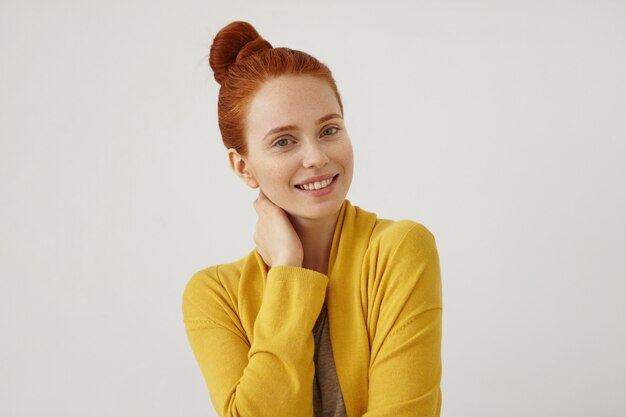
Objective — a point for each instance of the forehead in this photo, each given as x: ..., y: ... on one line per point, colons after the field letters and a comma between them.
x: 298, y: 100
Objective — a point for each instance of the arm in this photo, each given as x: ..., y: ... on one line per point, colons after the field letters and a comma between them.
x: 273, y: 376
x: 405, y: 360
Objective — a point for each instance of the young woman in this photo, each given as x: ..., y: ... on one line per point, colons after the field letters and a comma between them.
x: 335, y: 312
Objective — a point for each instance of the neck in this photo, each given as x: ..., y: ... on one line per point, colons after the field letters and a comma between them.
x: 316, y: 236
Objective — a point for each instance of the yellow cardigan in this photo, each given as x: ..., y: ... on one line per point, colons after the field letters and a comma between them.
x: 250, y: 328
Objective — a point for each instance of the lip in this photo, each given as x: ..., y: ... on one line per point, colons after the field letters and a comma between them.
x: 322, y: 191
x: 319, y: 178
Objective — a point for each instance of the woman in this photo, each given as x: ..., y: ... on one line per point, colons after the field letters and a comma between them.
x: 323, y: 270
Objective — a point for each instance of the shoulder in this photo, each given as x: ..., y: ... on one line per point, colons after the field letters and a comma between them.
x: 211, y: 284
x: 200, y: 286
x: 403, y: 235
x: 402, y: 265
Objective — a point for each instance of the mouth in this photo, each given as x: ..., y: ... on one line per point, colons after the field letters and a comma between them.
x: 326, y: 187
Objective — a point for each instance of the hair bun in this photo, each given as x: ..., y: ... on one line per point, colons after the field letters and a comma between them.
x: 233, y: 43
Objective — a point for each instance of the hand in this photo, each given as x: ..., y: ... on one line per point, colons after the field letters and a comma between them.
x: 276, y: 239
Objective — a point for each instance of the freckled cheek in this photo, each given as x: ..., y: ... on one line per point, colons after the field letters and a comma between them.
x: 277, y: 177
x: 347, y: 155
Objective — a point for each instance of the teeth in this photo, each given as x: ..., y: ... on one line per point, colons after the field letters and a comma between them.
x: 316, y: 185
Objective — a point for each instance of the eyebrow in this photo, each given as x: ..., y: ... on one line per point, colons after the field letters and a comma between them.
x: 293, y: 127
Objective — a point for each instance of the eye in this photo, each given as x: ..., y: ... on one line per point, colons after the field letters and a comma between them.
x: 279, y: 141
x: 330, y: 128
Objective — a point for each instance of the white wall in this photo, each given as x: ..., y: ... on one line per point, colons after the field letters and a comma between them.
x: 499, y: 125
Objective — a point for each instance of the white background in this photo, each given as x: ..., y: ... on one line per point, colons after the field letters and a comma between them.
x: 501, y: 126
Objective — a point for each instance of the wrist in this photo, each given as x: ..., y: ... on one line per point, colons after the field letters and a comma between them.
x: 288, y: 262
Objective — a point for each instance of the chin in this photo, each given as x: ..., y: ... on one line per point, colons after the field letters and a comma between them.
x: 318, y: 210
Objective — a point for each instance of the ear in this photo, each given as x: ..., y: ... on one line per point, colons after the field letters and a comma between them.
x: 241, y: 168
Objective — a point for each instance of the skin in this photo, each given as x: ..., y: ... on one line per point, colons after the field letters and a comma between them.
x: 294, y: 228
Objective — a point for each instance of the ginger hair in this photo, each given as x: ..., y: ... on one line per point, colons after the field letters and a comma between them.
x: 242, y: 61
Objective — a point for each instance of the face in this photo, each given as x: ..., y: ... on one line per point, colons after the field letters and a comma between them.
x: 315, y: 143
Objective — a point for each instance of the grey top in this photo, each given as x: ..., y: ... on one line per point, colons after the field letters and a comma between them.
x: 327, y: 397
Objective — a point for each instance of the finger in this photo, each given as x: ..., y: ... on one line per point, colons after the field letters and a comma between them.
x: 264, y: 199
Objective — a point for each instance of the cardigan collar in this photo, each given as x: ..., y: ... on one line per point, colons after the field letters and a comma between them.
x: 347, y: 304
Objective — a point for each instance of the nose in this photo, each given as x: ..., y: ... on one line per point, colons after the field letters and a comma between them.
x: 314, y: 155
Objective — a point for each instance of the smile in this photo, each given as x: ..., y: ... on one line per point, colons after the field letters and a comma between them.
x: 317, y: 185
x: 325, y: 187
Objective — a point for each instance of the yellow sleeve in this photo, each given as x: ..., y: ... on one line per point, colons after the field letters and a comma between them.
x: 405, y: 360
x: 273, y: 376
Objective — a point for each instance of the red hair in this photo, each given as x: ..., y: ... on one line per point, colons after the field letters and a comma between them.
x: 242, y: 61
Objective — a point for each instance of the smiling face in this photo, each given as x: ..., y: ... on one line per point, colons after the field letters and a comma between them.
x: 314, y: 143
